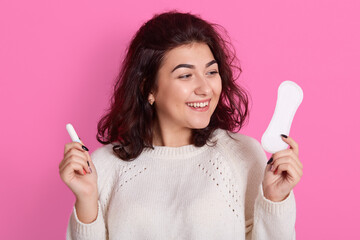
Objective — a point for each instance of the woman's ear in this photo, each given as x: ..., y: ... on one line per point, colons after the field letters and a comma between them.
x: 151, y: 98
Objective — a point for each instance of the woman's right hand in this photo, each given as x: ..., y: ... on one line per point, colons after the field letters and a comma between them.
x: 71, y: 169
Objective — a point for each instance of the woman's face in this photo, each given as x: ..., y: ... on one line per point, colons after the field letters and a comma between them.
x: 188, y: 88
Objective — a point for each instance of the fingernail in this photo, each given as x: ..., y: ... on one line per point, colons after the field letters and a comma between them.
x: 270, y: 161
x: 85, y: 148
x: 271, y: 168
x: 283, y: 135
x: 84, y: 172
x: 89, y: 167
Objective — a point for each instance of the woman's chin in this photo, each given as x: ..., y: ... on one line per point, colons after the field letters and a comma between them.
x: 200, y: 124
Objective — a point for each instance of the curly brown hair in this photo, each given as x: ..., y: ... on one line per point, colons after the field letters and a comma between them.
x: 130, y: 118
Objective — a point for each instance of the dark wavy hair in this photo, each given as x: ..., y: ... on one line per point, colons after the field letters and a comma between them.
x: 130, y: 118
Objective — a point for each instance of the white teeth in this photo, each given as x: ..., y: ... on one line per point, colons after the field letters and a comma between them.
x: 197, y: 105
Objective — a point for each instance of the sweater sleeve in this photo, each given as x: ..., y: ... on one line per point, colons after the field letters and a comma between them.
x: 264, y: 219
x: 96, y: 230
x: 78, y: 231
x: 267, y: 220
x: 273, y: 220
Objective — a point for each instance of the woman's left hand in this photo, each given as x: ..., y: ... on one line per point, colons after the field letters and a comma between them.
x: 285, y: 173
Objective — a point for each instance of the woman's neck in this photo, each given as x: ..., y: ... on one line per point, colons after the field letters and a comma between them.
x: 171, y: 137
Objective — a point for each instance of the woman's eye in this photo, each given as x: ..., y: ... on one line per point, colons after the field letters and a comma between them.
x: 185, y: 76
x: 213, y: 72
x: 189, y: 75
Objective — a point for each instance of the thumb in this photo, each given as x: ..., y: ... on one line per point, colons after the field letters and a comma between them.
x: 87, y: 154
x: 83, y: 145
x: 86, y: 149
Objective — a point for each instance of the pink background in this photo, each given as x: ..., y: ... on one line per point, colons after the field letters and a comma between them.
x: 58, y: 61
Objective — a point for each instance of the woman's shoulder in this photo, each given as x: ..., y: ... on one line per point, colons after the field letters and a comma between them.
x: 108, y: 166
x: 103, y: 153
x: 240, y: 146
x: 238, y: 140
x: 104, y: 157
x: 243, y: 149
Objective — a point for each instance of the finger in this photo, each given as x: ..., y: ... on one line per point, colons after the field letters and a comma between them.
x: 78, y: 146
x: 74, y: 161
x: 86, y: 150
x: 71, y: 145
x: 73, y: 152
x: 69, y: 170
x: 286, y: 160
x: 83, y: 146
x: 288, y: 152
x: 289, y: 169
x: 293, y: 145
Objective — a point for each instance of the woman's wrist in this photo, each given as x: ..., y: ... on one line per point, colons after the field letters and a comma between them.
x: 86, y: 210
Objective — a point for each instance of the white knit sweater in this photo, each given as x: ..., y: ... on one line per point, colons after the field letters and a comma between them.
x: 211, y: 192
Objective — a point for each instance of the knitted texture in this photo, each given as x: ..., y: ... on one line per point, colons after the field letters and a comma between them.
x: 188, y: 192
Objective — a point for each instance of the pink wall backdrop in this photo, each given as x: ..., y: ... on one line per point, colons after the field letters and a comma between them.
x: 58, y: 61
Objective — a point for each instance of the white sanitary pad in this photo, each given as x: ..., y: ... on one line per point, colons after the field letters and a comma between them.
x: 290, y: 96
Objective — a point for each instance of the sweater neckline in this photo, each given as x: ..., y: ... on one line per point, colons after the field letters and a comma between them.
x: 180, y: 152
x: 187, y: 151
x: 174, y: 152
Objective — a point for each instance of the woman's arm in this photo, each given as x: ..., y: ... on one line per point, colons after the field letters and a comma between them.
x: 267, y: 219
x: 87, y: 220
x: 272, y: 220
x: 264, y: 219
x: 78, y: 230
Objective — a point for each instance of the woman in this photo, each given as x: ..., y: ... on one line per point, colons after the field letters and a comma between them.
x: 171, y: 166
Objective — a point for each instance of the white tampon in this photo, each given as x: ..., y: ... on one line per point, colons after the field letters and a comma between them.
x: 75, y: 138
x: 290, y: 96
x: 72, y: 133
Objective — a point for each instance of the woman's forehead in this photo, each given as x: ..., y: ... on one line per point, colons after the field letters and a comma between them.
x: 187, y: 54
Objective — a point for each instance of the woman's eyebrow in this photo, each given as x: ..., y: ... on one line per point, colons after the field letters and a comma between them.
x: 192, y: 66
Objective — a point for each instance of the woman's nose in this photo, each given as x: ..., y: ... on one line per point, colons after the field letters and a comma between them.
x: 203, y: 87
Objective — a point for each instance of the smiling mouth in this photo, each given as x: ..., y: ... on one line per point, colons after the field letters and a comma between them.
x: 199, y: 104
